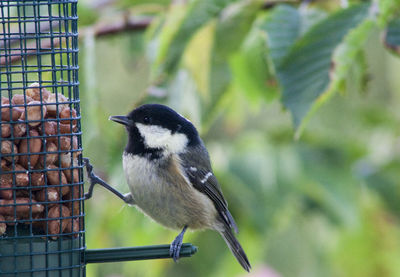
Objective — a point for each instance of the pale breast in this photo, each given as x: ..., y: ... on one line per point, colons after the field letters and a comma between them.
x: 163, y: 193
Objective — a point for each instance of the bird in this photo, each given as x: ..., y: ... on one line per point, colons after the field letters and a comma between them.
x: 170, y: 178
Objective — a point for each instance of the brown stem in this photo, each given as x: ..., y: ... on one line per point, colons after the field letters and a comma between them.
x: 127, y: 24
x: 101, y: 29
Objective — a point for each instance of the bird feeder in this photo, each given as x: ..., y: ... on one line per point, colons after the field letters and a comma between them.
x: 42, y: 227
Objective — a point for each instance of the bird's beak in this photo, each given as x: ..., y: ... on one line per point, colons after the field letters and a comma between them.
x: 124, y: 120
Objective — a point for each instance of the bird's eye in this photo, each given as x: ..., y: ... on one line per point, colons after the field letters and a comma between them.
x: 146, y: 119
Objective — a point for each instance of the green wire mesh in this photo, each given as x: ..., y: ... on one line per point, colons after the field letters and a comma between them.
x: 41, y: 185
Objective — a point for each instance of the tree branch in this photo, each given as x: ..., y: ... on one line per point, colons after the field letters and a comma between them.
x: 127, y: 23
x: 272, y: 3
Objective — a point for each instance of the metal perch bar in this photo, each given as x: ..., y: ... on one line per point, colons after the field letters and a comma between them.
x: 135, y: 253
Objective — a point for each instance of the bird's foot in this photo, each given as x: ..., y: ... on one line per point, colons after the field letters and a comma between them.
x: 94, y: 179
x: 176, y: 245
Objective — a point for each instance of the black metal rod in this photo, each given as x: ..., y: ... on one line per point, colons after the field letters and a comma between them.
x: 135, y: 253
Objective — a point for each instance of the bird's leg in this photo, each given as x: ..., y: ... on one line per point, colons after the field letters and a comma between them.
x: 94, y: 179
x: 176, y: 245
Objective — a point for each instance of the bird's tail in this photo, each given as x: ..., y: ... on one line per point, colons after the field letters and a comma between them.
x: 236, y: 248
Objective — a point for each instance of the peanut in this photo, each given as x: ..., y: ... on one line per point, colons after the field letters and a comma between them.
x: 5, y: 110
x: 34, y: 92
x: 21, y: 206
x: 19, y: 129
x: 65, y: 189
x: 66, y: 142
x: 50, y: 128
x: 67, y: 115
x: 66, y: 128
x: 5, y: 130
x: 47, y: 194
x: 73, y: 227
x: 17, y: 113
x: 65, y: 159
x: 49, y: 158
x: 56, y: 98
x: 3, y: 164
x: 58, y: 225
x: 75, y: 195
x: 37, y: 180
x: 34, y: 112
x: 54, y: 176
x: 3, y: 226
x: 6, y: 184
x: 9, y: 148
x: 35, y: 145
x: 72, y: 175
x: 21, y: 178
x: 19, y: 99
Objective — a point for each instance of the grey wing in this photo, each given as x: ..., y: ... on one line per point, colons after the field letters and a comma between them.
x: 199, y: 172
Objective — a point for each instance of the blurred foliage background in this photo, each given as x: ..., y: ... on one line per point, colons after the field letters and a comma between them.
x: 299, y: 106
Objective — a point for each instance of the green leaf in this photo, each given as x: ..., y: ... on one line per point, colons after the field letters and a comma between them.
x: 304, y: 72
x: 310, y: 16
x: 282, y: 28
x: 392, y: 36
x: 284, y: 25
x: 181, y: 26
x: 197, y: 57
x: 252, y: 70
x: 153, y: 38
x: 386, y: 10
x: 348, y: 67
x: 357, y: 75
x: 349, y: 57
x: 232, y: 28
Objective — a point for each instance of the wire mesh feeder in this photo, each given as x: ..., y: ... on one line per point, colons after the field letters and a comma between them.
x: 41, y: 194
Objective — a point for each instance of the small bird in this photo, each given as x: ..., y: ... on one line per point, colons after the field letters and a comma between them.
x: 170, y: 178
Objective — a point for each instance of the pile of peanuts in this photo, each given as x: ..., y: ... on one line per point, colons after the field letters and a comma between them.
x: 38, y: 149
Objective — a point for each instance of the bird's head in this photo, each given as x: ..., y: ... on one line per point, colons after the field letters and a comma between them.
x: 155, y: 126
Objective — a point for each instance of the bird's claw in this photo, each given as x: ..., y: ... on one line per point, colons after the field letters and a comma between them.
x: 175, y: 250
x: 86, y: 162
x: 89, y: 166
x: 91, y: 176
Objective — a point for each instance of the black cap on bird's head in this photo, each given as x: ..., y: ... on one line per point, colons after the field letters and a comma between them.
x: 152, y: 123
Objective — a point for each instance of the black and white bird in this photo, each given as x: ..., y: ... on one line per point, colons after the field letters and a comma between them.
x: 170, y: 178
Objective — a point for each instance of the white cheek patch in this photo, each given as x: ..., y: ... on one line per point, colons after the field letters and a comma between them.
x: 158, y: 137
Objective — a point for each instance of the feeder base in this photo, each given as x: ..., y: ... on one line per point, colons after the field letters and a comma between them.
x: 36, y: 257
